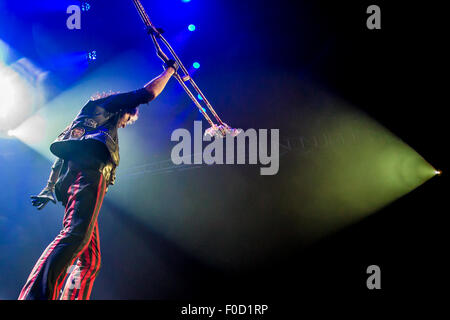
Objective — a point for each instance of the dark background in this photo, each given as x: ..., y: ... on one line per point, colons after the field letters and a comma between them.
x: 395, y: 74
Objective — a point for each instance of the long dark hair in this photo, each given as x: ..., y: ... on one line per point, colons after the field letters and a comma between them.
x: 133, y: 112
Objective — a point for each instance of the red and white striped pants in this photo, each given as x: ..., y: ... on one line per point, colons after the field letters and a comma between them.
x: 69, y: 265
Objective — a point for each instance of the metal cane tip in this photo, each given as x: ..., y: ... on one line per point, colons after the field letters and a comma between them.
x: 234, y: 132
x: 221, y: 131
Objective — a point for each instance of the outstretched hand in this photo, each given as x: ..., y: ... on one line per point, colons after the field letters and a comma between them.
x: 41, y: 200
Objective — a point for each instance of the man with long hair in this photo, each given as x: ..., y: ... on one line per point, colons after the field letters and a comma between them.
x: 87, y: 154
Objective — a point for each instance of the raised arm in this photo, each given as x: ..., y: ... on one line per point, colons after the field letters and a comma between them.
x: 132, y: 99
x: 156, y: 86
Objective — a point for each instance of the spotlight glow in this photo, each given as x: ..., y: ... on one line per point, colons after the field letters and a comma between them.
x: 4, y: 51
x: 92, y: 55
x: 191, y: 27
x: 15, y: 96
x: 32, y: 131
x: 8, y: 92
x: 196, y: 65
x: 437, y: 172
x: 85, y: 6
x: 186, y: 1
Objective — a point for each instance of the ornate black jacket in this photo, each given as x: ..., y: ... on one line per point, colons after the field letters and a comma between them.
x: 93, y: 133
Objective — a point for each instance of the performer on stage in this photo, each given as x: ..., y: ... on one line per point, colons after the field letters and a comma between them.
x: 88, y: 154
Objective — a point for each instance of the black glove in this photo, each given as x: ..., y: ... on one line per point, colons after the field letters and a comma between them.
x: 46, y: 195
x: 171, y: 63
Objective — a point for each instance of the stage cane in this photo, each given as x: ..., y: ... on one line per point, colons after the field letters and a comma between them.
x: 219, y: 130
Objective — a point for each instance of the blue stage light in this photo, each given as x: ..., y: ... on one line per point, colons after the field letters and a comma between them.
x: 4, y: 52
x: 191, y: 27
x: 196, y: 65
x: 199, y: 97
x: 15, y: 96
x: 92, y: 55
x: 186, y: 0
x: 85, y: 6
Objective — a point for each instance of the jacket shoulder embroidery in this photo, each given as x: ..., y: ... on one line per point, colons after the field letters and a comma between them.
x: 77, y: 132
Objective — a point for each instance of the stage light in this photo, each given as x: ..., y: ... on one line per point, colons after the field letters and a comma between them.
x: 191, y: 27
x: 199, y: 97
x: 18, y: 95
x: 196, y: 65
x: 437, y: 172
x: 92, y: 55
x: 186, y: 0
x: 4, y: 52
x: 9, y: 91
x: 85, y: 6
x: 32, y: 131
